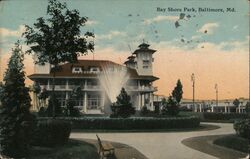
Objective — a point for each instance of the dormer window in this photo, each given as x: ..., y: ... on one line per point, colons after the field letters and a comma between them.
x: 94, y: 69
x: 77, y: 70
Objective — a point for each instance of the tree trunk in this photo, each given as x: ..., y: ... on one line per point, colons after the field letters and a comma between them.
x: 53, y: 92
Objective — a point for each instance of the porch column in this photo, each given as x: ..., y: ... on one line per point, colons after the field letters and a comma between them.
x: 152, y: 101
x: 225, y: 109
x: 103, y: 100
x: 48, y: 86
x: 212, y: 108
x: 67, y: 84
x: 85, y: 84
x: 143, y: 100
x: 85, y: 102
x: 139, y: 101
x: 239, y: 110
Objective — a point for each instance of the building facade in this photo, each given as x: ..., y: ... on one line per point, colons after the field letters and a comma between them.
x: 223, y: 106
x: 86, y: 75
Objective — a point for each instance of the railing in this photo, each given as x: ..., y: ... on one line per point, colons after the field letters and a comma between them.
x: 142, y: 88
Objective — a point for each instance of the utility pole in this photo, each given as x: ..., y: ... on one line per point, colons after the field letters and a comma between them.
x: 216, y: 91
x: 193, y: 80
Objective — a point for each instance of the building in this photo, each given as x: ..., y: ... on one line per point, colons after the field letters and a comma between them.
x: 86, y: 74
x: 223, y: 106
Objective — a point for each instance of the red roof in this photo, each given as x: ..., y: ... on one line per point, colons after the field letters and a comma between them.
x: 66, y: 70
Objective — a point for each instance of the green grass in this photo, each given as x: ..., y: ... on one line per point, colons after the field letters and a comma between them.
x: 233, y: 142
x: 72, y: 150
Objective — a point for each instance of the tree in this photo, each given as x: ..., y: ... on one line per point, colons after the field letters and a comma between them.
x: 58, y: 38
x: 74, y: 96
x: 43, y: 96
x: 236, y: 102
x: 36, y: 90
x: 170, y: 106
x: 15, y: 117
x: 123, y: 107
x: 177, y: 92
x: 248, y: 108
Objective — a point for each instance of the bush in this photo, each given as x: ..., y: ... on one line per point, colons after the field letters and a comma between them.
x: 42, y: 112
x: 242, y: 128
x: 122, y: 107
x: 144, y: 111
x: 223, y: 116
x: 170, y: 106
x: 51, y: 132
x: 139, y: 123
x: 58, y: 109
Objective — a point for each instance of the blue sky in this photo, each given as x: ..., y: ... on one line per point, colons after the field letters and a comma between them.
x: 129, y: 21
x: 117, y: 24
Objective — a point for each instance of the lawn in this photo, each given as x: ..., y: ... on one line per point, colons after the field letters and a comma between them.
x: 73, y: 149
x: 234, y: 142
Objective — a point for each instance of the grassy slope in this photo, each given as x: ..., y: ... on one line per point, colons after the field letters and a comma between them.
x: 73, y: 149
x: 233, y: 142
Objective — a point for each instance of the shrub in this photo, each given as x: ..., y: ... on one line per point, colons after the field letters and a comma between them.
x: 123, y: 107
x: 170, y: 106
x: 223, y: 116
x: 138, y: 123
x: 58, y: 109
x: 42, y: 112
x: 144, y: 111
x: 51, y: 132
x: 242, y: 128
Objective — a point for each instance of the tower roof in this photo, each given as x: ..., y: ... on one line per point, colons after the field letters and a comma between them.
x: 144, y: 48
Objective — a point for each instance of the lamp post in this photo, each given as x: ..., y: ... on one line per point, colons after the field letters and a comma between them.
x: 193, y: 80
x: 216, y: 91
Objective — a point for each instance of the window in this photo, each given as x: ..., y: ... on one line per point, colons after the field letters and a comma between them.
x: 145, y: 62
x: 94, y: 69
x: 77, y: 70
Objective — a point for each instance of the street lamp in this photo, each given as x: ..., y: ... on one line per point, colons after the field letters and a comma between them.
x: 193, y: 80
x: 216, y: 91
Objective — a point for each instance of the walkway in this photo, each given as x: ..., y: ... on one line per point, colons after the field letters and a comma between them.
x: 161, y: 145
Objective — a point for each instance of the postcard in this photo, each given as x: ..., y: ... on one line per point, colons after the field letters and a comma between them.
x: 125, y: 79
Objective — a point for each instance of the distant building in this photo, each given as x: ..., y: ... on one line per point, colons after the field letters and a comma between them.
x: 224, y: 106
x: 85, y: 73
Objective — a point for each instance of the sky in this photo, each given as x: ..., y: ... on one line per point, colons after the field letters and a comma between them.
x: 212, y: 45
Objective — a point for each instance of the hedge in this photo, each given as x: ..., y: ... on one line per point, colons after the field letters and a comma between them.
x: 242, y: 128
x: 224, y: 116
x: 135, y: 123
x: 51, y: 132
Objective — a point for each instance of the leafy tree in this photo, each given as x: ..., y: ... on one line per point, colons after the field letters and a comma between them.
x: 123, y: 107
x: 15, y: 117
x: 54, y: 107
x: 75, y: 95
x: 236, y: 102
x: 248, y: 108
x: 43, y: 96
x: 164, y: 106
x: 170, y: 106
x: 177, y: 92
x: 36, y: 90
x: 58, y: 38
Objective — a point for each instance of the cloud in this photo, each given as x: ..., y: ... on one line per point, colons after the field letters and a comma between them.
x: 91, y: 22
x: 110, y: 35
x: 235, y: 27
x: 5, y: 32
x: 160, y: 18
x: 209, y: 27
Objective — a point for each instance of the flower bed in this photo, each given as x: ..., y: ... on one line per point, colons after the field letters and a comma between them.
x: 93, y: 123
